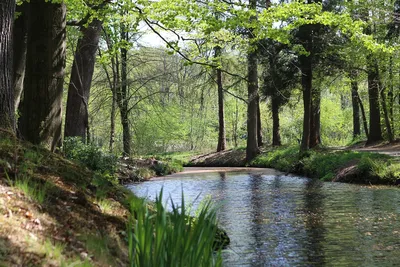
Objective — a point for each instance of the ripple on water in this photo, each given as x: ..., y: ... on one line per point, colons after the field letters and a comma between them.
x: 278, y: 220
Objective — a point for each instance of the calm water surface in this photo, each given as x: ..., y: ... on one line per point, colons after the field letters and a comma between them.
x: 278, y: 220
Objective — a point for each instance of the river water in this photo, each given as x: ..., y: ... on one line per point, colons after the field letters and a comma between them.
x: 279, y: 220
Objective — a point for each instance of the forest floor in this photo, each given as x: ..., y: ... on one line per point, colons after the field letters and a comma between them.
x: 373, y: 164
x: 56, y: 213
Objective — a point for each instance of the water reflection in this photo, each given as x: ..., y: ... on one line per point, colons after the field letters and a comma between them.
x: 276, y: 220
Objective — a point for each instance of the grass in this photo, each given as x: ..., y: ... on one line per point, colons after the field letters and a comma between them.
x: 172, y: 238
x: 36, y: 191
x: 325, y: 164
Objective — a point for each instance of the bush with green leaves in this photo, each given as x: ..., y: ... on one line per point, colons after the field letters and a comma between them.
x: 162, y: 238
x: 386, y: 171
x: 90, y: 155
x: 164, y: 168
x: 280, y: 158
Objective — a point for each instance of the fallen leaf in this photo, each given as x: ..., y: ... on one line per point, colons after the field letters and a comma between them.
x: 28, y: 215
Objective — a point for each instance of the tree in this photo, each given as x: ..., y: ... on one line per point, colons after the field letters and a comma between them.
x: 41, y: 118
x: 7, y: 118
x: 20, y: 48
x: 252, y: 94
x: 280, y: 78
x: 76, y: 117
x: 221, y: 118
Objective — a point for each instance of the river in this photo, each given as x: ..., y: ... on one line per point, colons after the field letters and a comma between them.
x: 282, y: 220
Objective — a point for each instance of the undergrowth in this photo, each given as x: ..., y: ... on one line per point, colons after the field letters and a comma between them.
x: 172, y: 238
x: 89, y: 155
x: 324, y: 164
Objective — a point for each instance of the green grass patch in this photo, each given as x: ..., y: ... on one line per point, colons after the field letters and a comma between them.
x: 35, y: 190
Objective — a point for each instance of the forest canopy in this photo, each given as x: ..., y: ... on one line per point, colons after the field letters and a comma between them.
x: 217, y: 74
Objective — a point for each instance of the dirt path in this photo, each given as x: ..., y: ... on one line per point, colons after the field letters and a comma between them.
x: 391, y: 149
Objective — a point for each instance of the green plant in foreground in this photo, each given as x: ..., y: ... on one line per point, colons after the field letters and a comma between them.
x: 172, y: 238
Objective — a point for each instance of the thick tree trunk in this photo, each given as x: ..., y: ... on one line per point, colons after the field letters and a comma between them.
x: 20, y: 48
x: 276, y: 136
x: 375, y: 133
x: 252, y: 93
x: 43, y: 86
x: 221, y: 118
x: 77, y: 115
x: 7, y: 117
x: 315, y: 119
x: 259, y: 128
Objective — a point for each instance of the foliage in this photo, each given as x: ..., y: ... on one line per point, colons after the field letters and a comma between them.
x: 385, y: 170
x: 281, y: 158
x: 172, y: 239
x: 164, y: 168
x: 89, y: 155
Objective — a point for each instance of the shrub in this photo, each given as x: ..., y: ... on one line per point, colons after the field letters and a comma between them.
x: 89, y: 155
x: 281, y: 158
x: 172, y: 238
x: 164, y: 168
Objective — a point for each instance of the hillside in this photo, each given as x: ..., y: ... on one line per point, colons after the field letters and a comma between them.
x: 54, y: 212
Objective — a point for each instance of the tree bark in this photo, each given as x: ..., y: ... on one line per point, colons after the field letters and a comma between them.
x: 364, y: 117
x: 375, y: 133
x: 221, y: 118
x: 356, y: 108
x: 315, y: 119
x: 43, y: 86
x: 384, y: 107
x: 391, y: 96
x: 7, y: 117
x: 276, y: 136
x: 259, y: 128
x: 122, y: 97
x: 20, y: 49
x: 252, y: 92
x: 77, y: 114
x: 305, y: 34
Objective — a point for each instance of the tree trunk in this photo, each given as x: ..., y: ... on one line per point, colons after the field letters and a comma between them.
x: 221, y: 119
x: 252, y: 93
x: 43, y: 86
x: 356, y: 107
x: 20, y: 48
x: 112, y: 124
x: 122, y: 97
x: 385, y: 112
x: 315, y: 119
x: 276, y: 136
x: 259, y: 129
x: 306, y: 83
x: 77, y: 114
x: 375, y: 133
x: 7, y: 117
x: 364, y: 117
x: 391, y: 96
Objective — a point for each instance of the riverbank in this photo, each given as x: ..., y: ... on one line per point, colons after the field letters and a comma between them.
x: 364, y: 167
x: 55, y: 212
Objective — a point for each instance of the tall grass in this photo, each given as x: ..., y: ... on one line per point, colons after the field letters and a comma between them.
x: 173, y: 238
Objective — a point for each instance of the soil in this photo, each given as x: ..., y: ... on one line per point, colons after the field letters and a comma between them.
x: 71, y: 226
